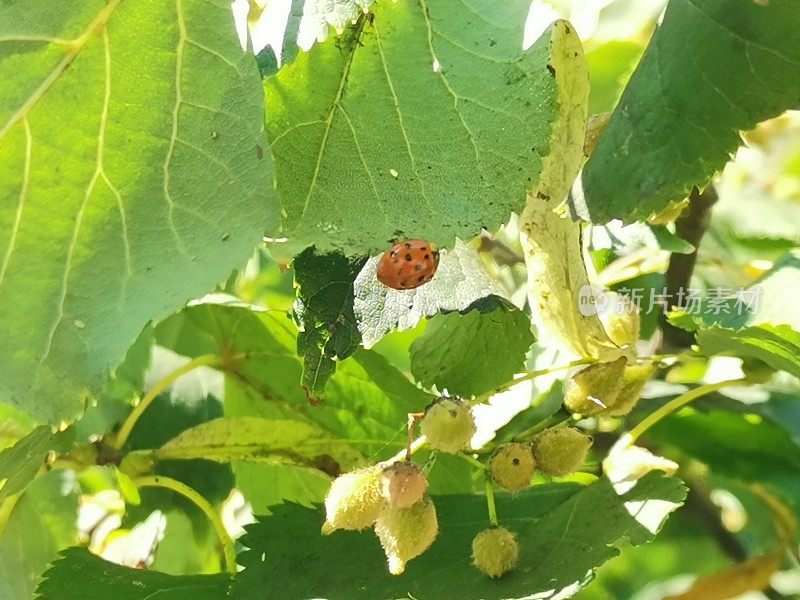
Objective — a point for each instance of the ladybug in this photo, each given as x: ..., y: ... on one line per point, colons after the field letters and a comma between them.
x: 408, y: 264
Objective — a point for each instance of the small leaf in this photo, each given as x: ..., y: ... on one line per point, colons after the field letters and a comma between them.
x: 253, y: 438
x: 752, y: 323
x: 324, y: 311
x: 472, y: 351
x: 564, y: 531
x: 20, y: 463
x: 80, y: 575
x: 712, y: 68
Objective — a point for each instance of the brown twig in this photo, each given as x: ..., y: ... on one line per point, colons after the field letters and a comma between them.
x: 690, y: 226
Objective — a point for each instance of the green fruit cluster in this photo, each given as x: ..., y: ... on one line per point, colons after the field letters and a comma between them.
x: 393, y: 500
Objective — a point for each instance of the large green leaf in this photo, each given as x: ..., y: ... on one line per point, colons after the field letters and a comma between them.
x: 425, y: 119
x: 134, y: 174
x: 564, y: 532
x: 712, y: 68
x: 473, y: 351
x: 79, y: 575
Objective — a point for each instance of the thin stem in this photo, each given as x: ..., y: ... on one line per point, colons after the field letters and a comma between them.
x: 677, y: 403
x: 533, y: 375
x: 195, y: 498
x: 412, y: 421
x: 550, y: 422
x: 473, y: 461
x: 406, y: 452
x: 490, y: 505
x: 207, y: 360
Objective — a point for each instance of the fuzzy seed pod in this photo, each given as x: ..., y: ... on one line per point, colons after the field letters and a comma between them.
x: 405, y: 533
x: 354, y: 500
x: 448, y: 424
x: 561, y: 450
x: 633, y: 381
x: 495, y: 551
x: 403, y: 484
x: 512, y: 466
x: 620, y: 319
x: 594, y: 388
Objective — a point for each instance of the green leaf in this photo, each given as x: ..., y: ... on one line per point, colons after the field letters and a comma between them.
x: 756, y: 323
x: 265, y: 485
x: 20, y: 463
x: 669, y: 241
x: 610, y: 66
x: 253, y: 438
x: 367, y: 403
x: 93, y: 245
x: 712, y: 68
x: 564, y: 532
x: 41, y: 523
x: 324, y: 311
x: 355, y: 164
x: 743, y: 445
x: 473, y: 351
x: 461, y: 279
x: 79, y: 571
x: 260, y: 345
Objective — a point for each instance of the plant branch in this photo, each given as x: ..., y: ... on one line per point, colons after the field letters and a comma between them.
x: 206, y: 360
x: 690, y: 226
x: 195, y: 498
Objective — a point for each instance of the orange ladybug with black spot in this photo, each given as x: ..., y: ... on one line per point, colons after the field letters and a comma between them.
x: 408, y: 264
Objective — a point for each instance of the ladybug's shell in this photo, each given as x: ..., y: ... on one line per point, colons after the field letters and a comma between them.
x: 408, y: 264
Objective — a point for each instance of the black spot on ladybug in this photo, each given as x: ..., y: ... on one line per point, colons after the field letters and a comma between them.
x: 408, y: 256
x: 515, y: 461
x: 421, y: 278
x: 424, y: 248
x: 418, y: 267
x: 552, y: 69
x: 408, y: 244
x: 403, y: 283
x: 567, y: 29
x: 427, y: 256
